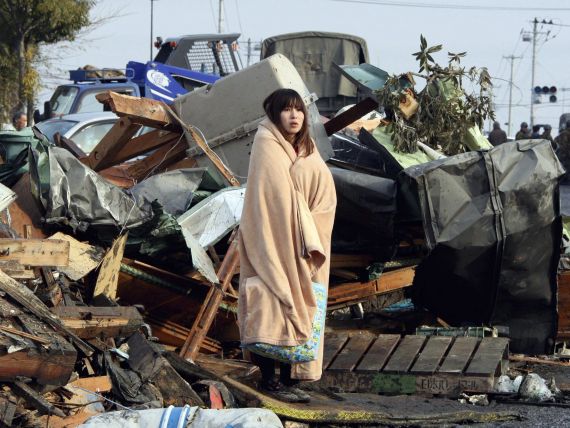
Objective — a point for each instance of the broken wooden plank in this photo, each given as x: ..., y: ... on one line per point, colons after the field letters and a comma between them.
x: 352, y: 353
x: 430, y: 358
x: 349, y: 116
x: 357, y: 291
x: 25, y: 297
x: 36, y: 400
x: 140, y: 145
x: 350, y: 260
x: 174, y: 334
x: 35, y: 252
x: 69, y: 145
x: 405, y: 354
x: 52, y: 291
x: 193, y: 135
x: 144, y: 111
x: 379, y: 352
x: 24, y: 334
x: 211, y: 304
x: 109, y: 272
x: 25, y: 210
x: 111, y: 143
x: 83, y: 258
x: 33, y: 350
x: 159, y: 160
x: 89, y: 322
x: 20, y: 273
x: 95, y: 383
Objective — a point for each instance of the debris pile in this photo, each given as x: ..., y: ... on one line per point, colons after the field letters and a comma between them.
x: 118, y: 286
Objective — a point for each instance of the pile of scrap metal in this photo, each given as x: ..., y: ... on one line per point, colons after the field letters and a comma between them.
x: 104, y: 254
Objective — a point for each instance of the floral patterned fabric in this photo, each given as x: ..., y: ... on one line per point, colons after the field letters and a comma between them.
x: 309, y: 350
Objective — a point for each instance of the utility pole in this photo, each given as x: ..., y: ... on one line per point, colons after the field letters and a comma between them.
x: 151, y: 27
x: 220, y: 16
x: 151, y: 16
x: 535, y: 34
x: 512, y: 59
x: 534, y: 24
x: 252, y: 46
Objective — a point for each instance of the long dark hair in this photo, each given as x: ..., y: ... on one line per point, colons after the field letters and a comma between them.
x: 278, y: 101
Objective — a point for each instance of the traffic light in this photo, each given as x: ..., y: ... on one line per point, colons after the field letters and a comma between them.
x: 547, y: 90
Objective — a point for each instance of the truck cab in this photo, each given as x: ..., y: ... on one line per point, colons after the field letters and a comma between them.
x: 79, y: 96
x: 181, y: 65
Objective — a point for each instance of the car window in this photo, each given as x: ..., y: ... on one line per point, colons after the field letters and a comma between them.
x: 89, y: 104
x: 50, y: 127
x: 89, y: 136
x: 62, y: 100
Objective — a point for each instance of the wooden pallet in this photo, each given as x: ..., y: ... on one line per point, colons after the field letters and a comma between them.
x: 392, y: 364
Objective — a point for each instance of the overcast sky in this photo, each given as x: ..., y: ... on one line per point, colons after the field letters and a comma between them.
x: 487, y: 29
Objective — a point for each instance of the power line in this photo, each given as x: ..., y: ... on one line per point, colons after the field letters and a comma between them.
x: 455, y: 6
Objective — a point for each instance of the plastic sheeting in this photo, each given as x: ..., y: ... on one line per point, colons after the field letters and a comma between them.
x: 76, y: 195
x: 492, y: 223
x: 185, y: 417
x: 173, y: 189
x: 364, y: 220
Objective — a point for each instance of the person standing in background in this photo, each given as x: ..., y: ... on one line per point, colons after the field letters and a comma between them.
x: 547, y: 135
x: 19, y: 121
x: 523, y: 133
x: 497, y: 135
x: 535, y: 132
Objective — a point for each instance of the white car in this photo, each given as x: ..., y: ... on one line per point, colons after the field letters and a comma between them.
x: 84, y: 129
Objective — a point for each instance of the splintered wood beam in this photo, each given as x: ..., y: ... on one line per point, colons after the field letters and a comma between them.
x: 89, y: 322
x: 191, y: 134
x: 36, y: 400
x: 69, y: 145
x: 143, y: 111
x: 174, y: 334
x: 108, y: 277
x: 351, y: 115
x: 119, y: 135
x: 35, y: 252
x: 83, y: 258
x: 159, y: 160
x: 340, y: 261
x: 211, y: 304
x: 140, y: 145
x: 357, y: 291
x: 25, y: 297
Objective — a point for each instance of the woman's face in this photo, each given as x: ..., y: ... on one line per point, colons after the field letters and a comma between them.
x: 292, y: 120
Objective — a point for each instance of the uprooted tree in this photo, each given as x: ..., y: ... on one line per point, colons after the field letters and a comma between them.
x: 25, y: 25
x: 446, y: 111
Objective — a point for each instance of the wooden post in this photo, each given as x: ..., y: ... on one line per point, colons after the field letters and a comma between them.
x: 211, y: 304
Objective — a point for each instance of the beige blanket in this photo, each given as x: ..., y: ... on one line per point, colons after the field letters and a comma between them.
x: 285, y: 231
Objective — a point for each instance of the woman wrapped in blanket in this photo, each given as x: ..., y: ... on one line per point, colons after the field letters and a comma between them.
x: 285, y: 240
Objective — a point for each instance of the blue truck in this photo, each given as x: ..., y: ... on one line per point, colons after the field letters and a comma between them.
x: 181, y: 65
